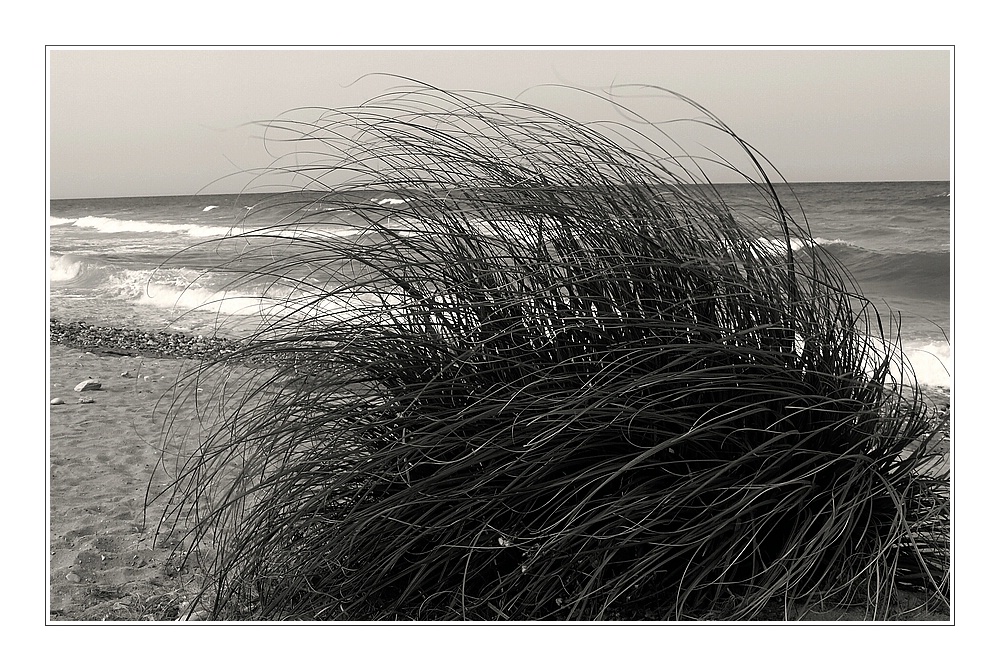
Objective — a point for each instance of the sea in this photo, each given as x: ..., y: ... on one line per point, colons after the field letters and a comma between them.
x: 152, y: 262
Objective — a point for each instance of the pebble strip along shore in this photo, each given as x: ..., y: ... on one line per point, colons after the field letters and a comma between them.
x: 135, y: 342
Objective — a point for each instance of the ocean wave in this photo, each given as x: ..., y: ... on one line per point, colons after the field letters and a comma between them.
x: 68, y: 267
x: 830, y: 243
x: 931, y: 363
x: 928, y: 363
x: 60, y: 221
x: 918, y: 274
x: 204, y: 231
x: 172, y: 289
x: 118, y: 226
x: 925, y: 362
x: 938, y: 200
x: 171, y: 296
x: 106, y: 277
x: 781, y: 245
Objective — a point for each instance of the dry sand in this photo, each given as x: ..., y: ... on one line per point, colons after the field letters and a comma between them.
x: 104, y: 564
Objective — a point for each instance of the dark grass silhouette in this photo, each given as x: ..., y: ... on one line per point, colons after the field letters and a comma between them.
x: 549, y: 374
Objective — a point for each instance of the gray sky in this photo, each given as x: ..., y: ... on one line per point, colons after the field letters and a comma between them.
x: 160, y: 122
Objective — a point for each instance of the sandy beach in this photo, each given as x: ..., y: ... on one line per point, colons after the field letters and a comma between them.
x: 103, y: 563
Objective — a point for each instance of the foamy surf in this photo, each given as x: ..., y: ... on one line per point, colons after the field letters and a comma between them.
x: 780, y: 245
x: 931, y: 363
x: 111, y: 226
x: 118, y: 226
x: 66, y: 267
x: 928, y: 364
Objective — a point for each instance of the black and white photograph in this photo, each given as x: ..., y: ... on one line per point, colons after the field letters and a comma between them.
x: 454, y: 335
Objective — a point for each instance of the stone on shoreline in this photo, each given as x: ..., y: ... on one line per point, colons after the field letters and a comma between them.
x: 57, y: 401
x: 88, y: 385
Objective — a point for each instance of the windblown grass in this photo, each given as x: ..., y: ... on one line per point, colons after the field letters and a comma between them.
x: 526, y: 368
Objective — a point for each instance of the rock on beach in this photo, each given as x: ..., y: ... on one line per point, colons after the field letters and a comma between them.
x: 88, y: 385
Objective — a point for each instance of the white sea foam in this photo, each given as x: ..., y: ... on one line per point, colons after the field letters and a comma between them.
x: 60, y: 221
x: 780, y: 246
x: 117, y: 226
x: 826, y: 242
x: 931, y: 362
x: 200, y: 298
x: 928, y: 363
x: 64, y: 268
x: 182, y: 290
x: 210, y: 208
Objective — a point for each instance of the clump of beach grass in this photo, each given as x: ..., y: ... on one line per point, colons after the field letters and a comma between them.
x: 525, y: 368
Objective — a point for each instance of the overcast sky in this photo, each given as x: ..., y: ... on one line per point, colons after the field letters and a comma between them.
x: 161, y: 122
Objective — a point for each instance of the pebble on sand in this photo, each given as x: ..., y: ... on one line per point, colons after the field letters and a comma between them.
x: 86, y: 399
x: 57, y: 401
x: 88, y: 385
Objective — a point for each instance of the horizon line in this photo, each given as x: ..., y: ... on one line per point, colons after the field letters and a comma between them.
x: 364, y: 188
